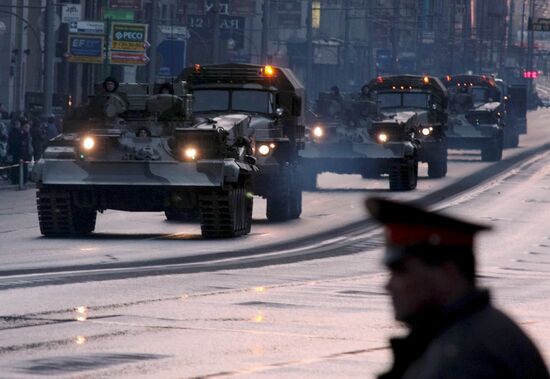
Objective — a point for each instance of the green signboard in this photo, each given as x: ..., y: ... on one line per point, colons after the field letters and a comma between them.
x: 118, y: 14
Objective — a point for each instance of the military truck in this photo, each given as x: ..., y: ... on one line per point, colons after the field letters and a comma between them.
x: 517, y: 106
x: 426, y: 97
x: 475, y: 115
x: 513, y: 123
x: 359, y: 139
x: 272, y: 98
x: 133, y: 149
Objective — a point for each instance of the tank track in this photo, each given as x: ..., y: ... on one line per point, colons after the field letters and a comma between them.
x: 57, y: 216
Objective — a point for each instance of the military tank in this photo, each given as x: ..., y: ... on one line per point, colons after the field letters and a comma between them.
x: 475, y: 115
x: 272, y: 98
x: 134, y: 149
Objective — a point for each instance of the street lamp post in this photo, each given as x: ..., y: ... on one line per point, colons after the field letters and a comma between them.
x: 49, y: 57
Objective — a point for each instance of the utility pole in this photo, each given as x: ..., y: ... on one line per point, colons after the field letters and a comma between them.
x: 395, y: 32
x: 265, y: 31
x: 511, y: 25
x: 216, y: 32
x: 466, y: 35
x: 309, y: 47
x: 153, y: 27
x: 452, y: 24
x: 530, y: 37
x: 522, y: 62
x: 49, y: 57
x: 346, y: 42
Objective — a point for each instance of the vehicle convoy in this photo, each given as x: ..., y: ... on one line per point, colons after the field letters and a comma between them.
x: 475, y: 115
x: 134, y: 149
x: 272, y: 98
x: 394, y: 123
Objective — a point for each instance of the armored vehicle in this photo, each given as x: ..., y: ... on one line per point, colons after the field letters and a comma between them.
x: 272, y: 98
x: 359, y: 139
x: 475, y: 115
x: 133, y: 149
x: 427, y: 98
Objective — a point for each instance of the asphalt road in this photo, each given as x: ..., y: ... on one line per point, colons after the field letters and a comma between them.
x: 144, y: 297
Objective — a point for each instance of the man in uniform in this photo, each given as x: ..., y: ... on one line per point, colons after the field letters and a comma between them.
x: 454, y: 331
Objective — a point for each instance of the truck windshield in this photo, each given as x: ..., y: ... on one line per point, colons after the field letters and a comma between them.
x: 405, y: 100
x: 233, y: 100
x: 480, y: 95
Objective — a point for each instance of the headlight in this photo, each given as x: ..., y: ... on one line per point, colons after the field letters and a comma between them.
x: 426, y: 131
x: 264, y: 149
x: 318, y: 132
x: 88, y: 143
x: 190, y: 153
x: 382, y: 137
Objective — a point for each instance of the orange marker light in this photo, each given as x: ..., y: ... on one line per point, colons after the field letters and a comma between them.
x: 448, y: 77
x: 426, y: 80
x: 269, y: 71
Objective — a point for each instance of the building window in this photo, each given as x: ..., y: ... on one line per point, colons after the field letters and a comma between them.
x: 316, y: 15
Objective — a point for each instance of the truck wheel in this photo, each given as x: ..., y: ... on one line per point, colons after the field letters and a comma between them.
x: 370, y: 172
x: 309, y: 180
x: 511, y: 138
x: 284, y: 202
x: 403, y: 174
x: 225, y: 213
x: 492, y: 151
x: 189, y: 215
x: 57, y: 216
x: 437, y: 166
x: 295, y: 194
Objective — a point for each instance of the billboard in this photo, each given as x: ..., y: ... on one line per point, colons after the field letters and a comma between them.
x: 85, y: 49
x: 129, y: 37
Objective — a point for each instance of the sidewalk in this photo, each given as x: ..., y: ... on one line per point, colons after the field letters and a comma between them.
x: 6, y: 185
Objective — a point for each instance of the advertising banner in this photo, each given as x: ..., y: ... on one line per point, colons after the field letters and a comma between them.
x: 85, y: 49
x: 129, y: 37
x: 125, y: 4
x: 129, y: 58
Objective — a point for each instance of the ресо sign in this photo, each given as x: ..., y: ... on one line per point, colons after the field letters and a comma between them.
x: 129, y: 37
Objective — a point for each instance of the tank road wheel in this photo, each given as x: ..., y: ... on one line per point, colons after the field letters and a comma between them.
x: 189, y: 215
x: 309, y: 180
x: 403, y: 174
x: 57, y: 216
x: 226, y: 213
x: 285, y: 200
x: 437, y: 165
x: 492, y: 151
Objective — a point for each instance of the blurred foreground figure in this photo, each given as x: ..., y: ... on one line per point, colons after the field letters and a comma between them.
x: 455, y: 332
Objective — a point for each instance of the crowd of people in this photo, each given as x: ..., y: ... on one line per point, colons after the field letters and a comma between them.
x: 23, y: 139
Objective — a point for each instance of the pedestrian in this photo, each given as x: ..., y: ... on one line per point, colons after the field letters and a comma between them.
x: 39, y: 138
x: 3, y: 142
x: 3, y: 112
x: 20, y: 149
x: 51, y: 127
x: 110, y: 84
x: 454, y: 330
